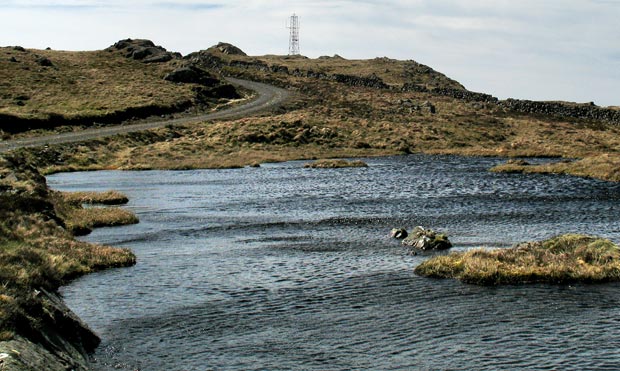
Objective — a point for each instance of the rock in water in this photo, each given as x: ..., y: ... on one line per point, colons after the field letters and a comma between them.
x: 427, y: 239
x: 398, y: 233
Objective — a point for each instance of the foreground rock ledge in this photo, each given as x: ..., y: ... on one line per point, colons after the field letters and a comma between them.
x: 569, y: 258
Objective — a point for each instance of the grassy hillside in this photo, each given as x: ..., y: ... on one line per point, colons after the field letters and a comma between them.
x: 81, y: 83
x: 47, y: 88
x: 329, y: 118
x: 341, y: 108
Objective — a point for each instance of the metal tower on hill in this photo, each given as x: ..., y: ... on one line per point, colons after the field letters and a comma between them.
x: 293, y: 42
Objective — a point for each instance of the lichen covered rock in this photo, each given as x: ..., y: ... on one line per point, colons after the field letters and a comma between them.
x: 427, y: 239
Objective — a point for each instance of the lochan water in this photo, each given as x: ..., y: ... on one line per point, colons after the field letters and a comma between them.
x: 285, y: 268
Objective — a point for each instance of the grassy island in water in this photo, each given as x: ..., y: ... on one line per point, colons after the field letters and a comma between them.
x: 568, y: 258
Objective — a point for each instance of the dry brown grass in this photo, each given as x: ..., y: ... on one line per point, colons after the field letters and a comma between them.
x: 344, y: 122
x: 81, y: 84
x: 604, y: 166
x: 329, y: 119
x: 564, y: 259
x: 391, y: 71
x: 103, y: 198
x: 334, y: 164
x: 81, y: 220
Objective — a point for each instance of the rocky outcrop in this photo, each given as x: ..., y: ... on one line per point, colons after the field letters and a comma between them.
x: 426, y: 239
x: 143, y: 50
x: 208, y: 59
x: 192, y: 75
x: 334, y: 57
x: 229, y: 49
x: 56, y: 339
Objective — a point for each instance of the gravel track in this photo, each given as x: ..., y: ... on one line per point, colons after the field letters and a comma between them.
x: 268, y: 96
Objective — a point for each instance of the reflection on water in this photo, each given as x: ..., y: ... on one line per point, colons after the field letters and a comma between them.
x: 282, y: 267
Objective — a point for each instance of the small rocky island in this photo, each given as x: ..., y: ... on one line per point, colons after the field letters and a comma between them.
x: 422, y: 239
x: 568, y: 258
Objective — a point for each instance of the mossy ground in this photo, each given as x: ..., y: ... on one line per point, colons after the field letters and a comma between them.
x: 568, y: 258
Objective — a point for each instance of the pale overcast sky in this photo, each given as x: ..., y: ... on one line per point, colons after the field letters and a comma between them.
x: 531, y: 49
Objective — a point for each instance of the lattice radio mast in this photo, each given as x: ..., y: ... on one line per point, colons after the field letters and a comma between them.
x: 293, y: 42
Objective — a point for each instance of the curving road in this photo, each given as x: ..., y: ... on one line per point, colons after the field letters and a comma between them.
x: 267, y: 96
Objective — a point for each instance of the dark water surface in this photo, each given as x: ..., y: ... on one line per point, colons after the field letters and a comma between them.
x: 285, y: 268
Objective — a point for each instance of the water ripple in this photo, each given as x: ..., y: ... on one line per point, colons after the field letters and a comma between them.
x: 283, y: 268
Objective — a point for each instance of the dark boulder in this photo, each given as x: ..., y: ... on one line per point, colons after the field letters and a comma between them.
x: 45, y: 62
x: 19, y: 48
x: 427, y: 239
x: 192, y: 75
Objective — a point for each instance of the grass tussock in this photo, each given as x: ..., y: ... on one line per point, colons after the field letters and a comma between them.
x: 334, y: 164
x: 604, y: 166
x: 91, y: 198
x: 81, y: 220
x: 568, y: 258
